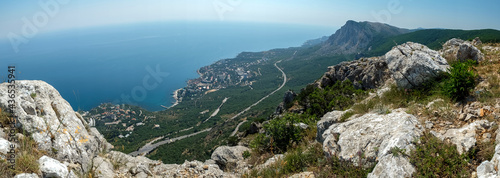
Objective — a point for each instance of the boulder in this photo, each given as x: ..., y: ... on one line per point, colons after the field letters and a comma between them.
x: 226, y: 156
x: 52, y: 168
x: 461, y: 50
x: 373, y: 136
x: 464, y: 138
x: 364, y: 73
x: 412, y: 64
x: 477, y: 41
x: 52, y: 123
x: 468, y: 51
x: 392, y: 166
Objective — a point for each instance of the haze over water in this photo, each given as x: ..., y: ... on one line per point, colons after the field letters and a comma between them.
x: 97, y: 65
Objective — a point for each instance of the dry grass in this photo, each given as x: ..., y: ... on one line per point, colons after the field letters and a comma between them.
x: 489, y: 74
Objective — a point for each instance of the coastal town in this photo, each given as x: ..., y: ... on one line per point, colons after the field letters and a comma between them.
x: 118, y: 117
x: 122, y: 120
x: 222, y: 74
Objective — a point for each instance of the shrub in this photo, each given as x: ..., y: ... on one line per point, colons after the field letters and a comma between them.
x: 283, y: 132
x: 232, y: 141
x: 434, y: 158
x: 260, y: 143
x: 304, y: 118
x: 339, y: 96
x: 296, y: 161
x: 461, y: 80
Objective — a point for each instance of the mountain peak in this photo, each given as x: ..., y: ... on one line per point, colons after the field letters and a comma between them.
x: 356, y: 36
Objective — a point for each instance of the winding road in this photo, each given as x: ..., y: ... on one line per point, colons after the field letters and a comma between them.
x: 262, y: 99
x: 217, y: 110
x: 146, y: 149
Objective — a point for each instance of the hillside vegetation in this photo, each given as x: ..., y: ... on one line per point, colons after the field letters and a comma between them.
x: 433, y: 38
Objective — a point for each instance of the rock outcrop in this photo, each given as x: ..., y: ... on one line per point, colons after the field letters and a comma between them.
x: 490, y: 168
x: 464, y: 138
x: 229, y: 157
x: 367, y: 73
x: 77, y: 149
x: 52, y: 123
x: 326, y: 121
x: 287, y: 102
x: 373, y: 136
x: 412, y: 64
x: 409, y: 64
x: 52, y: 168
x: 461, y: 50
x: 129, y: 166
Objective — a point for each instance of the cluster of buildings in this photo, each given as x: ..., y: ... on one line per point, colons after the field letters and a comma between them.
x: 222, y: 74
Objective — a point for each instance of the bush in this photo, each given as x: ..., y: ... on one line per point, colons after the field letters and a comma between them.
x: 232, y: 141
x: 339, y: 96
x: 434, y: 158
x: 461, y: 80
x: 283, y: 132
x: 280, y: 133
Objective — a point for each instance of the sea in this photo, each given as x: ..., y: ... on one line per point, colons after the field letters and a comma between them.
x: 143, y: 63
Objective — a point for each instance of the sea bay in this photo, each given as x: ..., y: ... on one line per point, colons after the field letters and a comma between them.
x: 143, y: 63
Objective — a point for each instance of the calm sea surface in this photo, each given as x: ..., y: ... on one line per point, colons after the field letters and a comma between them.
x: 110, y: 64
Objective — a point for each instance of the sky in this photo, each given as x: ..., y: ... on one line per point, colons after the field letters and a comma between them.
x: 16, y: 17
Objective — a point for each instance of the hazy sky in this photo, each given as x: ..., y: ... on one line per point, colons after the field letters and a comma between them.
x: 65, y: 14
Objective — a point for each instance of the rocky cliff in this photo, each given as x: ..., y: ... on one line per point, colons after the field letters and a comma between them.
x: 64, y: 145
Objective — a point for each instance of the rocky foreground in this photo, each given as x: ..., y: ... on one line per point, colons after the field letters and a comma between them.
x: 67, y: 146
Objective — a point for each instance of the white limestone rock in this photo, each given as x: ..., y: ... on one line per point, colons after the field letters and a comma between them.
x: 226, y: 155
x: 464, y: 138
x: 52, y: 123
x: 373, y: 136
x: 326, y: 121
x: 413, y: 64
x: 52, y: 168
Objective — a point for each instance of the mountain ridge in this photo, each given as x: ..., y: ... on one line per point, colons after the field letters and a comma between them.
x: 354, y: 37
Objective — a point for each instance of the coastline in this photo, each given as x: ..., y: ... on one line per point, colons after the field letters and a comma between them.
x: 177, y: 98
x: 176, y: 95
